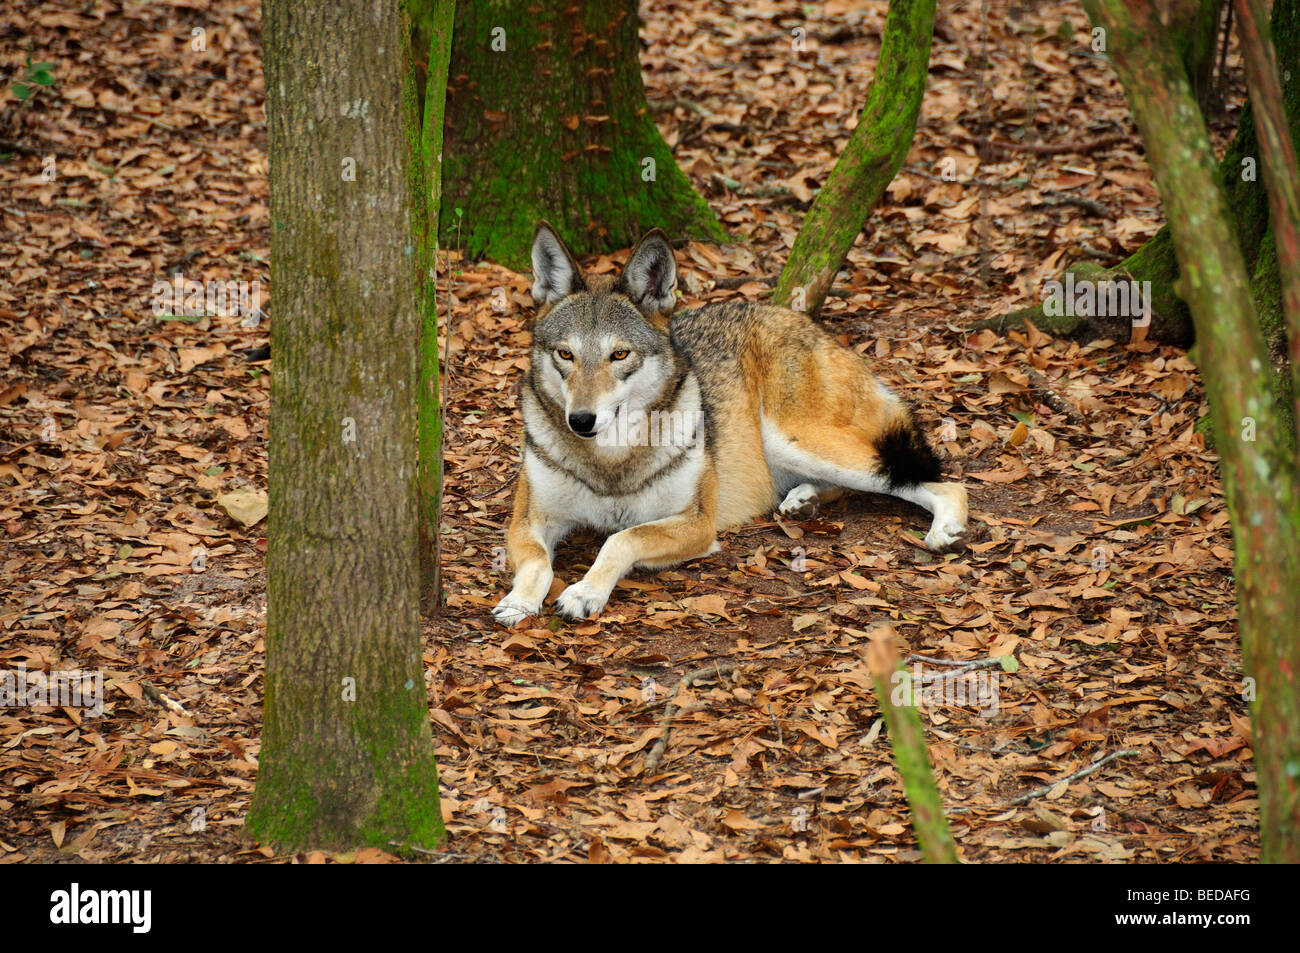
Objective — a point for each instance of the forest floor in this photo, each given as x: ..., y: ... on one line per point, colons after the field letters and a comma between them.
x: 1100, y: 560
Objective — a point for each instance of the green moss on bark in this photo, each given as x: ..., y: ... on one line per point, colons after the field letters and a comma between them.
x: 433, y: 22
x: 1258, y: 471
x: 547, y: 118
x: 342, y: 561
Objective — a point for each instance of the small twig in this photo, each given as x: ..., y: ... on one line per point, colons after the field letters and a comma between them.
x: 1080, y: 148
x: 731, y: 283
x: 642, y: 709
x: 1096, y: 252
x: 443, y: 856
x: 13, y: 145
x: 151, y: 692
x: 1051, y: 398
x: 492, y: 492
x: 657, y: 752
x: 137, y: 115
x: 1082, y: 772
x: 958, y: 667
x: 1053, y: 197
x: 972, y: 663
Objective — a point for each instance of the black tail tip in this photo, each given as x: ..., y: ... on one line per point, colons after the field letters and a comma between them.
x: 905, y: 456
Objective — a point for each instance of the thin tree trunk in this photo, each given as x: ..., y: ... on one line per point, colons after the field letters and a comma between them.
x: 1254, y: 441
x: 433, y: 21
x: 1199, y: 42
x: 911, y: 757
x: 875, y: 152
x: 547, y: 118
x: 347, y: 753
x: 1280, y: 171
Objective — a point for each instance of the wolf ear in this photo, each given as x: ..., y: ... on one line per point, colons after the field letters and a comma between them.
x: 650, y: 278
x: 555, y: 274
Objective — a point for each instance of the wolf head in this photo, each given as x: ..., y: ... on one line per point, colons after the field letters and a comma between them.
x: 600, y: 343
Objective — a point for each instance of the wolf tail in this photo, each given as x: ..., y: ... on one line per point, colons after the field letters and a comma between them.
x: 906, y: 458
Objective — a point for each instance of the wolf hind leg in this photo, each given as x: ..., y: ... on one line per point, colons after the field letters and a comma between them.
x: 894, y: 460
x: 947, y: 501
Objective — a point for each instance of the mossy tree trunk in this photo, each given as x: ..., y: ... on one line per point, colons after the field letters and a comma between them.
x: 875, y: 152
x: 911, y: 756
x: 547, y: 118
x: 1281, y: 171
x: 347, y: 753
x: 1256, y: 444
x: 432, y: 22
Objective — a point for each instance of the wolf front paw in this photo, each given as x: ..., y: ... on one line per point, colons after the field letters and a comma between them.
x: 946, y: 537
x: 512, y: 610
x: 580, y: 601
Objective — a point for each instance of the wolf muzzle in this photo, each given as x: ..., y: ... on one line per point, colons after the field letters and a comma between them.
x: 583, y: 424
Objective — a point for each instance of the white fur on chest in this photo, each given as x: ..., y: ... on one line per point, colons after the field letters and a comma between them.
x: 566, y: 499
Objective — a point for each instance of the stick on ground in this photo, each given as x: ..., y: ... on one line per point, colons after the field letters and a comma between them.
x: 1082, y: 772
x: 717, y: 669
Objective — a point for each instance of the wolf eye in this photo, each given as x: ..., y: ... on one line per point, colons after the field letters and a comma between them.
x: 619, y: 355
x: 563, y: 354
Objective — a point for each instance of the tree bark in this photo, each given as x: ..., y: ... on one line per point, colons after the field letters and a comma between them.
x: 1280, y: 171
x: 547, y: 118
x: 433, y: 22
x: 347, y: 753
x: 875, y: 152
x: 911, y: 757
x: 1257, y: 463
x: 1199, y: 41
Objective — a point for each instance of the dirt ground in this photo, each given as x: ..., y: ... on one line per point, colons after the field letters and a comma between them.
x: 1100, y: 562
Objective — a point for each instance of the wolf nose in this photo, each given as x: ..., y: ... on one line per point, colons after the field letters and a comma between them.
x: 584, y: 425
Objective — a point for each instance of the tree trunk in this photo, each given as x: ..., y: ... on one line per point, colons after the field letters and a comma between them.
x: 547, y: 118
x: 1281, y: 174
x: 432, y: 21
x: 1199, y: 41
x: 1257, y: 462
x: 347, y: 754
x: 875, y: 152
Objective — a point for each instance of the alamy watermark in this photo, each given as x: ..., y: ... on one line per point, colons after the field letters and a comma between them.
x: 193, y: 299
x: 1086, y: 298
x: 930, y: 688
x: 61, y: 688
x: 131, y: 908
x: 659, y: 428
